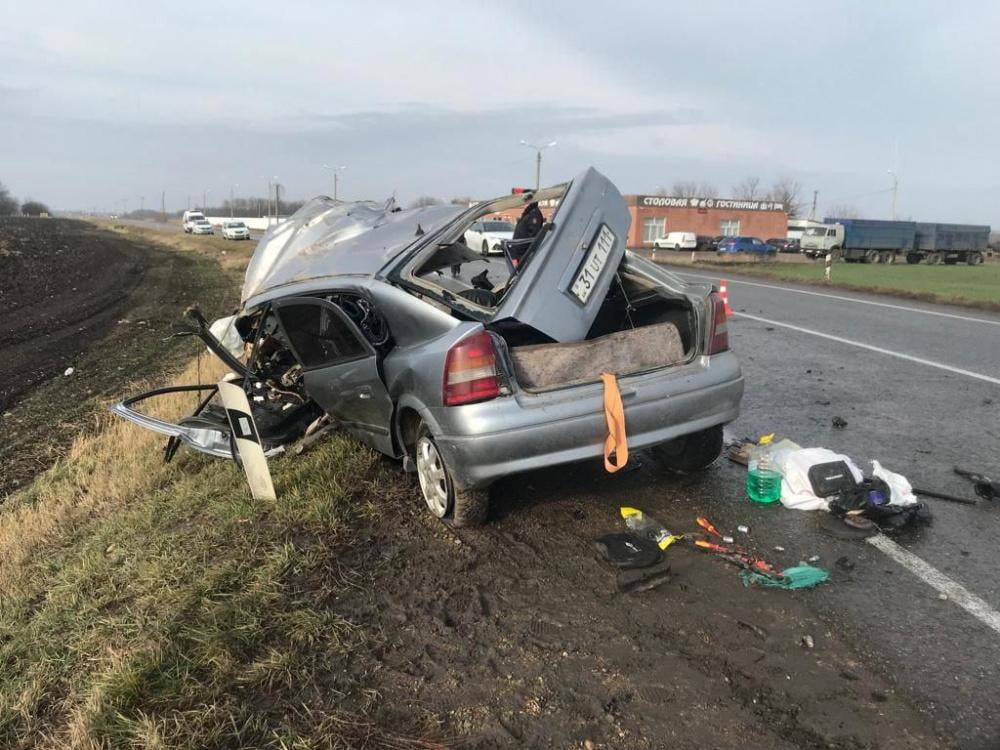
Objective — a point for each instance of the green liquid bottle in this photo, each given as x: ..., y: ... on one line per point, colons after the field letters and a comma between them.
x: 763, y: 479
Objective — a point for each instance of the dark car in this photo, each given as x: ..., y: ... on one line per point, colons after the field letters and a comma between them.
x: 705, y: 243
x: 746, y: 245
x: 784, y: 245
x: 716, y: 241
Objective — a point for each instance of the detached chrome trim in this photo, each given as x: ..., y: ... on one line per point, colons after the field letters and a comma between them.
x: 202, y: 439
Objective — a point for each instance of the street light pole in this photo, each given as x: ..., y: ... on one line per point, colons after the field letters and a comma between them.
x: 231, y: 187
x: 895, y: 189
x: 335, y: 177
x: 538, y: 160
x: 277, y: 198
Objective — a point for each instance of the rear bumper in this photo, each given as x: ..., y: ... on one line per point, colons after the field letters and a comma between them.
x: 484, y: 442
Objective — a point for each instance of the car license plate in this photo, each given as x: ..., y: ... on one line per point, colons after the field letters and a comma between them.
x: 590, y: 271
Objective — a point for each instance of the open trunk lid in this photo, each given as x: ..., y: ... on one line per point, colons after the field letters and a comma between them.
x: 562, y: 285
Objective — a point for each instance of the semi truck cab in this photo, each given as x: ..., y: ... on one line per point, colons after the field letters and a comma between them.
x: 820, y: 239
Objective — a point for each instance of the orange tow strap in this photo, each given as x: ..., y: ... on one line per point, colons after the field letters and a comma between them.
x: 616, y: 442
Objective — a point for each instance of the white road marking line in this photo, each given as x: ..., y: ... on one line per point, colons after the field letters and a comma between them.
x: 870, y: 347
x: 933, y: 577
x: 845, y: 298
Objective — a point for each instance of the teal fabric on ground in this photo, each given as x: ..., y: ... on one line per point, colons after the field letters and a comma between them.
x: 799, y: 577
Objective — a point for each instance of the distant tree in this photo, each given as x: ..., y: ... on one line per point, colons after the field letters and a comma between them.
x: 34, y: 208
x: 684, y: 189
x: 425, y: 200
x: 747, y: 189
x: 688, y: 189
x: 787, y: 191
x: 844, y: 212
x: 8, y: 204
x: 461, y: 200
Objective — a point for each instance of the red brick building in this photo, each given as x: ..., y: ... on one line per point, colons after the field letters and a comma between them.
x: 655, y: 215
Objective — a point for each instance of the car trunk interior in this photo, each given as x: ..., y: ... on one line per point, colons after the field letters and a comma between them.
x: 640, y: 327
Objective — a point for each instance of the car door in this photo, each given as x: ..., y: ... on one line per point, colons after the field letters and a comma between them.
x: 339, y: 367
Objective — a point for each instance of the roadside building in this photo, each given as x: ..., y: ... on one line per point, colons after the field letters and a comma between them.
x: 654, y: 216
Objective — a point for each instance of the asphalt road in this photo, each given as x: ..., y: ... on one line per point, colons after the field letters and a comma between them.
x: 919, y: 386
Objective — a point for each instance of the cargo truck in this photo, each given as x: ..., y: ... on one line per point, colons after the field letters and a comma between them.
x: 874, y: 241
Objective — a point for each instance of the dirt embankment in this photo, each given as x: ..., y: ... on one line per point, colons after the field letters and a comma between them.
x: 64, y: 286
x: 99, y: 301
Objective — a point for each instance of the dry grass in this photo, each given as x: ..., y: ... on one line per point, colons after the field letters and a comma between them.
x: 152, y: 605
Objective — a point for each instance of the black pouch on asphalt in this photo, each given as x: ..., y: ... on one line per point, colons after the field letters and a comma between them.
x: 831, y: 478
x: 627, y: 550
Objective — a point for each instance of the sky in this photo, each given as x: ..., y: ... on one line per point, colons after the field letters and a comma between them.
x: 101, y: 108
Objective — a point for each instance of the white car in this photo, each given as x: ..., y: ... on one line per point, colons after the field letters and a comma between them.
x: 202, y: 227
x: 485, y: 235
x: 190, y: 219
x: 676, y: 241
x: 235, y: 230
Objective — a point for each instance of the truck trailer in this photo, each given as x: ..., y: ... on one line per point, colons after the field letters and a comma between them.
x: 875, y: 241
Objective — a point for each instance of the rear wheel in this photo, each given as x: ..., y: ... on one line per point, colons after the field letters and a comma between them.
x: 691, y: 452
x: 444, y: 500
x: 913, y: 258
x: 887, y: 257
x: 873, y: 257
x: 933, y: 259
x: 974, y: 259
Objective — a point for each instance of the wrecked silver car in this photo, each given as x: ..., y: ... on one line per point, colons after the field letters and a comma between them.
x: 469, y: 368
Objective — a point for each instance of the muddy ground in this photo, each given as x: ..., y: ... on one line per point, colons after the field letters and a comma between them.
x: 99, y: 301
x: 517, y: 636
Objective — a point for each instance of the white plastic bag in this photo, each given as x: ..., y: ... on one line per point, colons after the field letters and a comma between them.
x: 901, y: 492
x: 796, y: 489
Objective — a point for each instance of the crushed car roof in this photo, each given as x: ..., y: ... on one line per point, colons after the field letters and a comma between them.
x: 328, y: 238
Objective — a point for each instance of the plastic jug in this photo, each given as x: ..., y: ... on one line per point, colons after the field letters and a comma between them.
x: 763, y: 479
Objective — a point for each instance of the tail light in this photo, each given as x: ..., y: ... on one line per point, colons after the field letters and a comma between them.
x: 470, y: 371
x: 719, y: 334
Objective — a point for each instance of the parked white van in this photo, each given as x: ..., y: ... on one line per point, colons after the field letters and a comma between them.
x: 191, y: 218
x: 676, y: 241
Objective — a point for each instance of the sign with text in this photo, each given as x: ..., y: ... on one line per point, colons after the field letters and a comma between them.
x: 729, y: 204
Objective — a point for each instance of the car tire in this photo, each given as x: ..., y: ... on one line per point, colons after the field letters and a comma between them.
x: 444, y: 500
x: 693, y: 452
x: 974, y: 259
x: 486, y: 248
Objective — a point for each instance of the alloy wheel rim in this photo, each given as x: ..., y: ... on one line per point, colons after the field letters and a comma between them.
x: 432, y: 477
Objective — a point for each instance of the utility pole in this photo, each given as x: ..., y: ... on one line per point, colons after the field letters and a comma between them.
x: 895, y: 189
x: 204, y: 199
x: 538, y: 160
x: 231, y: 199
x: 163, y: 206
x: 277, y: 198
x: 334, y: 170
x: 812, y: 214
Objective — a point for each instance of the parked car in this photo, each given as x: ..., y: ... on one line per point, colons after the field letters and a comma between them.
x: 202, y: 226
x: 235, y: 230
x: 784, y: 244
x: 705, y: 243
x: 745, y: 245
x: 190, y: 218
x: 486, y: 235
x: 349, y: 321
x: 714, y: 245
x: 676, y: 241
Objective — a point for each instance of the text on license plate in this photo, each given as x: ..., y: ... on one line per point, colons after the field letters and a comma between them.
x: 590, y: 272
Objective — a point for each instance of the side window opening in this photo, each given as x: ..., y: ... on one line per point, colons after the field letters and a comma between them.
x: 319, y: 336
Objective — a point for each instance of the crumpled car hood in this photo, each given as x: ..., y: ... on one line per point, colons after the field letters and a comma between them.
x: 332, y: 238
